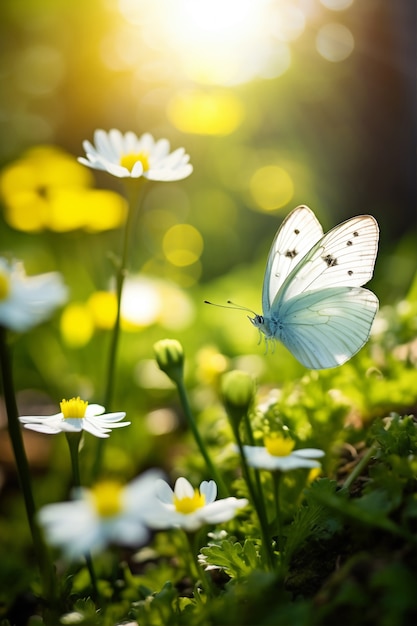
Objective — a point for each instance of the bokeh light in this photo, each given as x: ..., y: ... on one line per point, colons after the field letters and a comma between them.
x: 39, y: 70
x: 182, y: 245
x: 337, y: 5
x: 148, y: 301
x: 271, y: 187
x: 205, y: 112
x: 335, y: 42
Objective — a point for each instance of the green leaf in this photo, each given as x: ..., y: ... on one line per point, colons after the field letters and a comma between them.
x: 237, y: 560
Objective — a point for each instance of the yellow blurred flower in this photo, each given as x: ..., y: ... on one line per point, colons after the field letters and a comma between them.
x: 103, y: 308
x: 211, y: 364
x: 47, y: 189
x: 76, y: 325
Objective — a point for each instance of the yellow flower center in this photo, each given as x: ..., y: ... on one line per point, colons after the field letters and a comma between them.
x: 4, y: 286
x: 73, y: 408
x: 107, y: 498
x: 277, y: 445
x: 129, y: 160
x: 189, y: 505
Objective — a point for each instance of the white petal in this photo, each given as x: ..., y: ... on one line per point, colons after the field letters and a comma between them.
x: 310, y: 453
x: 260, y: 458
x: 162, y: 516
x: 168, y: 175
x: 209, y: 490
x: 294, y: 462
x: 222, y: 510
x: 164, y: 492
x: 146, y: 143
x: 183, y: 488
x: 190, y: 522
x: 91, y: 428
x: 137, y: 170
x: 94, y: 409
x: 117, y: 170
x: 72, y: 526
x: 127, y: 532
x: 106, y: 418
x: 108, y: 427
x: 160, y: 149
x: 131, y: 143
x: 38, y: 419
x: 140, y: 495
x: 43, y: 428
x: 31, y: 299
x: 107, y: 144
x: 89, y: 148
x: 171, y: 161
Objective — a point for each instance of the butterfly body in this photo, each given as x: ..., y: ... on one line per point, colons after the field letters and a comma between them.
x: 312, y: 297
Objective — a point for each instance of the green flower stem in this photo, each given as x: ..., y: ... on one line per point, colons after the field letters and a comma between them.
x: 359, y: 467
x: 22, y: 468
x: 261, y: 500
x: 251, y: 439
x: 276, y: 476
x: 257, y: 502
x: 132, y: 192
x: 222, y: 489
x: 74, y: 440
x: 195, y: 570
x: 93, y: 577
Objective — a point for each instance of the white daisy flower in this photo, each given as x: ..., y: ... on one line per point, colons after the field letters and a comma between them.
x: 76, y: 415
x: 189, y: 508
x: 27, y: 301
x: 108, y: 513
x: 278, y: 454
x: 129, y: 156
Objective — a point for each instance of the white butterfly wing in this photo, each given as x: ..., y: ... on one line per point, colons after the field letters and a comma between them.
x: 297, y: 235
x: 345, y: 256
x: 327, y: 327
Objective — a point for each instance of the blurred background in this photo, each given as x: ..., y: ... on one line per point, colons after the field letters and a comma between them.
x: 278, y: 103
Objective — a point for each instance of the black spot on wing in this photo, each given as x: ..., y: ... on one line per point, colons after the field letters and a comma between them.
x: 330, y: 260
x: 291, y: 254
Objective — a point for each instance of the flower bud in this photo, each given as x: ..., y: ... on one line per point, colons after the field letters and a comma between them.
x: 238, y: 390
x: 169, y: 355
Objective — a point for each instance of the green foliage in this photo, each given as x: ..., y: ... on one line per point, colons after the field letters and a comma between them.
x: 313, y: 518
x: 237, y: 560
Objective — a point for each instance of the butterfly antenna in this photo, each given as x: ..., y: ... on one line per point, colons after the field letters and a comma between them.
x: 231, y: 305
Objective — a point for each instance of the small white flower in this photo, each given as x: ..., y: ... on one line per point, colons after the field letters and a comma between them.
x: 108, y: 513
x: 278, y: 454
x: 189, y: 508
x: 76, y: 415
x: 27, y: 301
x: 129, y: 156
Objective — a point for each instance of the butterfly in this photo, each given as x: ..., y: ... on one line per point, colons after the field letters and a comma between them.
x: 312, y: 297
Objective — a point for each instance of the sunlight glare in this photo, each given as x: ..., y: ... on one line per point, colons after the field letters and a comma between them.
x: 223, y: 42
